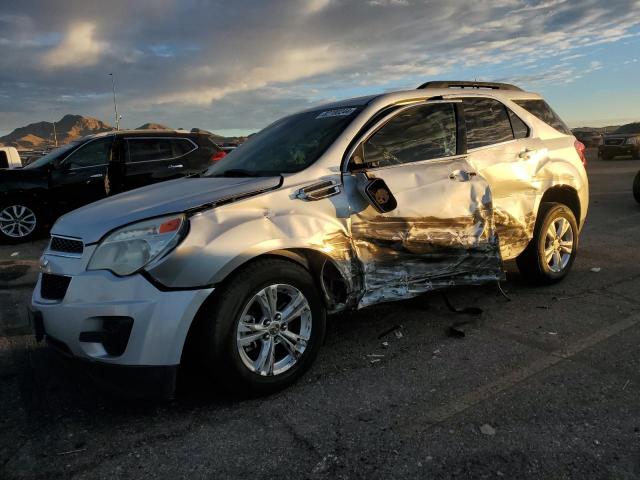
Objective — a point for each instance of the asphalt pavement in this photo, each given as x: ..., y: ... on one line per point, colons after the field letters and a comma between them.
x: 546, y: 385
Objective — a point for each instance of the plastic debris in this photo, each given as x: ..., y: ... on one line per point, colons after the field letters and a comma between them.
x: 375, y: 360
x: 391, y: 330
x: 398, y: 334
x: 15, y: 254
x: 596, y: 269
x: 375, y: 355
x: 385, y: 344
x: 552, y: 333
x: 325, y: 464
x: 487, y: 429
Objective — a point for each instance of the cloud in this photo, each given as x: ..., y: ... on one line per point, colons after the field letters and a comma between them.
x: 215, y: 61
x: 78, y: 48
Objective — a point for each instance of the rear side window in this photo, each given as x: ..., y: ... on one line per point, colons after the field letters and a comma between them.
x: 520, y: 129
x: 4, y: 160
x: 421, y: 133
x: 487, y: 122
x: 543, y: 111
x: 149, y: 149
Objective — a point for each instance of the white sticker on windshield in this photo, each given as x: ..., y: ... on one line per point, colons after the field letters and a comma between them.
x: 340, y: 112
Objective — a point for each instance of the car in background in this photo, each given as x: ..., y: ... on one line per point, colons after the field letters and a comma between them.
x: 339, y: 207
x: 617, y: 145
x: 10, y: 158
x: 93, y: 167
x: 590, y: 138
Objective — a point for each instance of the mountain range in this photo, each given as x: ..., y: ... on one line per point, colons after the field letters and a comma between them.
x: 40, y: 135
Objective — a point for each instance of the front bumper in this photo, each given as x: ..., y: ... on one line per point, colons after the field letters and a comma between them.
x: 159, y: 320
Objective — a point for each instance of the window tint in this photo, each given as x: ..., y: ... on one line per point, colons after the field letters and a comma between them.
x: 145, y: 149
x: 4, y: 160
x: 520, y: 129
x: 487, y: 122
x: 181, y: 146
x: 91, y: 154
x: 420, y: 133
x: 543, y: 111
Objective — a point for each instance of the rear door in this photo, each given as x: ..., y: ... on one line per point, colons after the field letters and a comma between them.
x: 501, y: 149
x: 441, y: 232
x: 155, y: 159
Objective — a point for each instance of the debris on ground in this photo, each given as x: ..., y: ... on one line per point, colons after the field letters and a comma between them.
x: 625, y: 385
x: 69, y: 452
x: 375, y: 355
x: 388, y: 331
x: 456, y: 332
x: 385, y: 344
x: 543, y: 307
x: 398, y: 334
x: 375, y: 360
x: 15, y: 254
x: 487, y: 429
x: 552, y: 333
x: 596, y: 269
x: 325, y: 464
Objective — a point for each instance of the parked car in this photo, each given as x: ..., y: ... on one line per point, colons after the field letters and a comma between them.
x: 343, y: 206
x: 590, y: 138
x: 89, y: 169
x: 10, y: 158
x: 616, y: 145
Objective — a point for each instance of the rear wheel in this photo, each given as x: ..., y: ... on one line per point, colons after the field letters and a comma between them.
x: 552, y: 250
x: 264, y: 327
x: 636, y: 187
x: 19, y: 220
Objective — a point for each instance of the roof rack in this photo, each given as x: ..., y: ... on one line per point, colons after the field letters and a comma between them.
x: 467, y: 84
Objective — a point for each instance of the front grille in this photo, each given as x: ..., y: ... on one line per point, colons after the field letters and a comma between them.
x: 54, y: 287
x: 614, y: 141
x: 67, y: 245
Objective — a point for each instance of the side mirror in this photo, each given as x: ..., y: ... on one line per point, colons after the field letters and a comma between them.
x: 376, y: 192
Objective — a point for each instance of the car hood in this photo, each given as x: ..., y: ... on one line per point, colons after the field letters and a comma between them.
x: 93, y: 221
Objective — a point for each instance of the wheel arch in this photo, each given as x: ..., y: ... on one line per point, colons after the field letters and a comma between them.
x: 566, y: 195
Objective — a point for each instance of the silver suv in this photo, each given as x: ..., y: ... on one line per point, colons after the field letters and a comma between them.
x: 346, y: 205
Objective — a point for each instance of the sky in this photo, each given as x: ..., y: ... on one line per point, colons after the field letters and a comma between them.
x: 233, y: 67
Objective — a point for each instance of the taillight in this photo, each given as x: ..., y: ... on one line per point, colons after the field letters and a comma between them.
x: 580, y: 148
x: 217, y: 156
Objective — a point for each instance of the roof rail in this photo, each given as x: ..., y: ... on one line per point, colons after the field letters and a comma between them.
x: 467, y: 84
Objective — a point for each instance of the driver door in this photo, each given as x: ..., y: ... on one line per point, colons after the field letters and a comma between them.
x: 79, y: 179
x: 441, y: 231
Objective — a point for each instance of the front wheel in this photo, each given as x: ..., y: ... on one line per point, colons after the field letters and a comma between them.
x: 636, y: 187
x: 552, y: 250
x: 263, y: 328
x: 20, y: 221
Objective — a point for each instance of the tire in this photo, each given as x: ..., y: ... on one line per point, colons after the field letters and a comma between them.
x: 533, y: 262
x: 29, y: 221
x: 236, y: 368
x: 636, y: 187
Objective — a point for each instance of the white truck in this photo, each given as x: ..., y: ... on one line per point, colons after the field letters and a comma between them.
x: 10, y: 158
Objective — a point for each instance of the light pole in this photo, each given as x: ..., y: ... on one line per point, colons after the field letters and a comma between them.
x: 115, y: 105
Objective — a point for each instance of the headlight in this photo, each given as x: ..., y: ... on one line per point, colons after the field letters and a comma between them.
x: 128, y: 249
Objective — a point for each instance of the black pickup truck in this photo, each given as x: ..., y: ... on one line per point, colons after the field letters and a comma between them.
x: 89, y: 169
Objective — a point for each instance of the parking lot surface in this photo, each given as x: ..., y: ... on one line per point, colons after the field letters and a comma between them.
x: 546, y: 385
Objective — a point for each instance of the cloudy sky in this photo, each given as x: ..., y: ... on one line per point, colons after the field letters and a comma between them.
x: 234, y: 66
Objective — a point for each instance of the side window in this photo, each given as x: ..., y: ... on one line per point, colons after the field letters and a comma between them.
x: 420, y: 133
x: 91, y: 154
x: 181, y: 146
x: 543, y: 111
x: 520, y: 129
x: 487, y: 122
x: 4, y: 159
x: 145, y: 149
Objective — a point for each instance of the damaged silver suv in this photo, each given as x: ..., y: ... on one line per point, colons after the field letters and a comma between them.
x: 342, y: 206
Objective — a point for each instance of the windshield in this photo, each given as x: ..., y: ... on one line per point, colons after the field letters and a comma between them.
x: 286, y: 146
x: 52, y: 155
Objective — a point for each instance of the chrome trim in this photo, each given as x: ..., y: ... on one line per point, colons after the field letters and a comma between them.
x: 318, y: 191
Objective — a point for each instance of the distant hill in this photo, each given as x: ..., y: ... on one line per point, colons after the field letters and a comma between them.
x: 40, y: 135
x: 152, y: 126
x: 629, y: 128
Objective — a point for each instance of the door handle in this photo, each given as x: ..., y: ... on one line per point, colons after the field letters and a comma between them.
x: 526, y: 154
x: 176, y: 165
x: 461, y: 175
x: 96, y: 175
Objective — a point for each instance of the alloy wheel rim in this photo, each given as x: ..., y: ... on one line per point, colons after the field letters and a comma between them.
x: 558, y: 244
x: 17, y: 221
x: 274, y: 329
